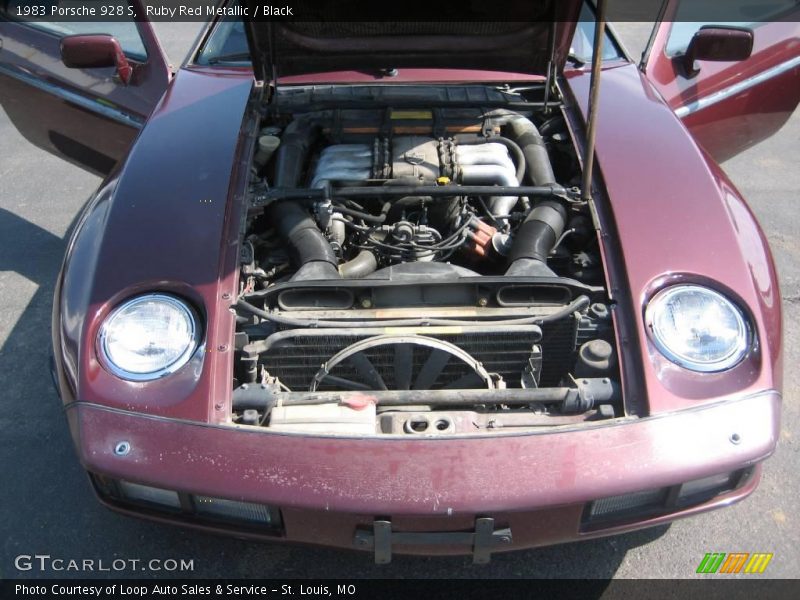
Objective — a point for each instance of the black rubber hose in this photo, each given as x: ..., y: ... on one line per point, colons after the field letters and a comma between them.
x: 309, y: 249
x: 291, y: 157
x: 307, y: 246
x: 540, y: 230
x: 538, y: 234
x: 552, y: 126
x: 540, y: 170
x: 536, y: 238
x: 364, y: 216
x: 516, y: 152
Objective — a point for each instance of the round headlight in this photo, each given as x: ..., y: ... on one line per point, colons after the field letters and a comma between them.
x: 148, y: 337
x: 698, y: 328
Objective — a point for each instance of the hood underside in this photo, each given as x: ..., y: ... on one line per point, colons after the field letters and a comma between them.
x: 535, y: 46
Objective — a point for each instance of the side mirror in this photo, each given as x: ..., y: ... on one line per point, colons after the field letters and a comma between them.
x: 717, y: 43
x: 95, y: 51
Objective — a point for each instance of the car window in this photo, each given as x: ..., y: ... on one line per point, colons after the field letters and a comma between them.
x: 750, y: 13
x: 227, y: 44
x: 582, y: 46
x: 29, y: 12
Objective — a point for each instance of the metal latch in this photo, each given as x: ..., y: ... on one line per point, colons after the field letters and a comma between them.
x: 483, y: 539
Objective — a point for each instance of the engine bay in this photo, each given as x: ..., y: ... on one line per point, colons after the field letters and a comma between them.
x: 410, y: 271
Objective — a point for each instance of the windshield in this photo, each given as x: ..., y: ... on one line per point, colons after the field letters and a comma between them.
x: 582, y: 46
x: 227, y: 44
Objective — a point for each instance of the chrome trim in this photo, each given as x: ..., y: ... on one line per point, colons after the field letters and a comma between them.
x: 110, y: 366
x: 73, y: 98
x: 734, y: 356
x: 736, y: 88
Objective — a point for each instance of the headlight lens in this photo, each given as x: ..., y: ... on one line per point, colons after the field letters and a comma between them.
x: 698, y: 328
x: 148, y: 337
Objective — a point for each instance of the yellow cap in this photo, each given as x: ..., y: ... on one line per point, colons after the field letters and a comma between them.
x: 442, y: 180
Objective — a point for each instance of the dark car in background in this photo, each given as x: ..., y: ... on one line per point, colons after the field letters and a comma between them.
x: 357, y: 284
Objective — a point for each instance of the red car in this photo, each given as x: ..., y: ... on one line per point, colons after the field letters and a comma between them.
x: 394, y: 287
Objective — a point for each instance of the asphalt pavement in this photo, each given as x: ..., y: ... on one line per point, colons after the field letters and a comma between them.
x: 48, y: 507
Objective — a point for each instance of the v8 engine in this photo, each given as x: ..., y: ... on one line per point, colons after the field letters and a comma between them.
x: 431, y: 259
x: 417, y: 227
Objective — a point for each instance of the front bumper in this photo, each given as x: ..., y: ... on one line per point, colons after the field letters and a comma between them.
x: 538, y: 484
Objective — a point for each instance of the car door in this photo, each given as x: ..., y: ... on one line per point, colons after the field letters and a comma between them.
x: 88, y: 116
x: 729, y: 105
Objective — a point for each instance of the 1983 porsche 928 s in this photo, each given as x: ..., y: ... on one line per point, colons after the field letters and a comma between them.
x: 397, y: 287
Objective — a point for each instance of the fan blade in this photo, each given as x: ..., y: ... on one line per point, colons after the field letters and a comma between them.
x: 467, y: 382
x: 403, y: 365
x: 346, y: 384
x: 431, y: 370
x: 367, y: 371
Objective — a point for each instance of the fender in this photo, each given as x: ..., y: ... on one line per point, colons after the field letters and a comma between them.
x: 165, y: 220
x: 663, y: 193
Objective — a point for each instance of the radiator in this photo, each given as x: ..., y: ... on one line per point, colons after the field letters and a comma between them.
x: 301, y: 353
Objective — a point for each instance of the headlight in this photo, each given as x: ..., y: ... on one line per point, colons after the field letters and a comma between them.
x: 148, y: 337
x: 698, y: 328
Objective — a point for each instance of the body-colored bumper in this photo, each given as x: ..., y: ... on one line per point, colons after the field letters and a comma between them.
x: 538, y: 483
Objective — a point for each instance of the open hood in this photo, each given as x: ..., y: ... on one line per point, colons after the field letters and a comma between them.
x: 536, y: 46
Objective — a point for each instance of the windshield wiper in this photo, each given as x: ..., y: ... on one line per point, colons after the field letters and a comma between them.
x: 229, y: 58
x: 577, y: 61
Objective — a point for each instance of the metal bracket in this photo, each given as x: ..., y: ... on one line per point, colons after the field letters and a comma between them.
x: 533, y: 370
x: 483, y: 539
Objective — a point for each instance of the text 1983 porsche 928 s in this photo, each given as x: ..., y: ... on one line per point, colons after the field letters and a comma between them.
x: 393, y: 286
